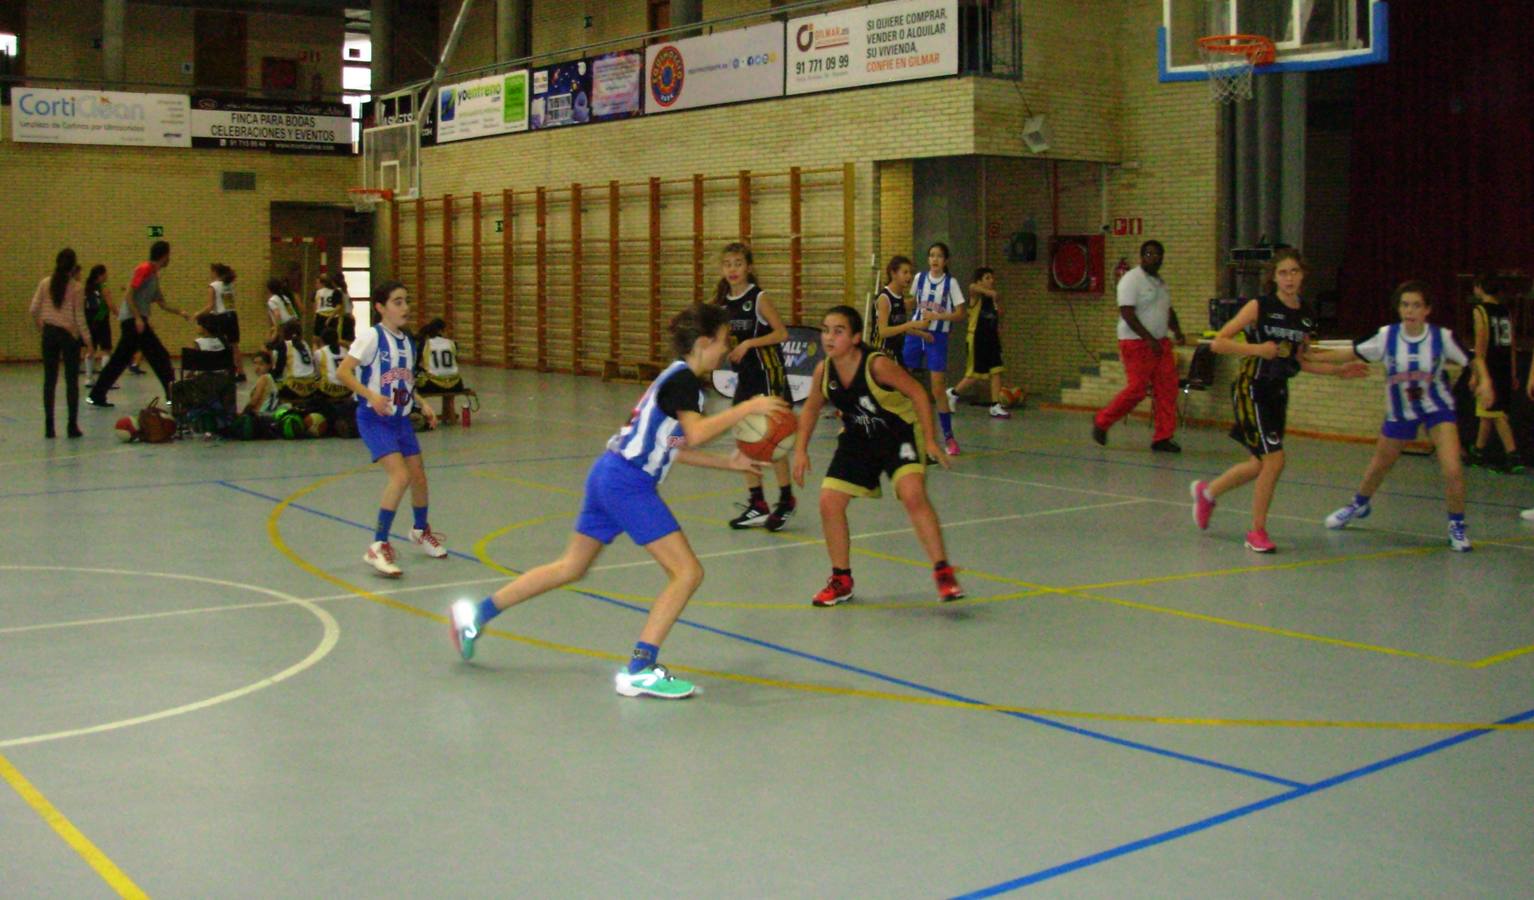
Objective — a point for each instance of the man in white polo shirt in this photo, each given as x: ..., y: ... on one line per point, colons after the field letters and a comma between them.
x: 1145, y: 317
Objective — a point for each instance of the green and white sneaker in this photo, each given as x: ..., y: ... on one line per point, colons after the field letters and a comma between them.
x: 465, y: 626
x: 654, y: 681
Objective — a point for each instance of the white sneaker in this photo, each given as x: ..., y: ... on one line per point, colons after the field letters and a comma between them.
x: 999, y: 412
x: 429, y: 541
x: 953, y: 398
x: 1346, y: 514
x: 1458, y: 541
x: 381, y: 557
x: 1527, y: 515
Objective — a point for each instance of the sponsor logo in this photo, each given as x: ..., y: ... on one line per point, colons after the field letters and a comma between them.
x: 667, y: 75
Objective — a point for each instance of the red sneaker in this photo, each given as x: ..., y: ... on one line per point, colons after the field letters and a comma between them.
x: 838, y: 589
x: 1203, y: 507
x: 1257, y: 541
x: 947, y: 585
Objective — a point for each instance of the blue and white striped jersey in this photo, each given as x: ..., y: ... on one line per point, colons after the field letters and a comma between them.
x: 386, y: 364
x: 940, y: 295
x: 1415, y: 383
x: 653, y: 435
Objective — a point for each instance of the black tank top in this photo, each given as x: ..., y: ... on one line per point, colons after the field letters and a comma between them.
x: 1289, y: 328
x: 898, y: 316
x: 95, y: 305
x: 866, y: 406
x: 747, y: 322
x: 1499, y: 336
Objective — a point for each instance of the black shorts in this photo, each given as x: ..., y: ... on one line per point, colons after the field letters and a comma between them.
x: 1501, y: 371
x: 755, y: 381
x: 1261, y: 408
x: 226, y: 327
x: 861, y: 459
x: 984, y: 352
x: 101, y: 333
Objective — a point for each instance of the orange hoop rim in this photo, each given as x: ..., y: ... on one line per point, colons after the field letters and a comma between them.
x: 376, y: 193
x: 1258, y: 50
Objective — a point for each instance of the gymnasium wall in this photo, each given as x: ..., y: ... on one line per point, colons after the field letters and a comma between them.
x: 101, y: 200
x: 59, y: 35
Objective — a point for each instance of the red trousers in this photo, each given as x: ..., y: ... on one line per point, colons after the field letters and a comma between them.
x: 1146, y: 371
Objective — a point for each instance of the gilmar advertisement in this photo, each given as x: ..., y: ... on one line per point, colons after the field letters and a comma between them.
x: 745, y: 64
x: 47, y: 116
x: 483, y: 107
x: 887, y: 42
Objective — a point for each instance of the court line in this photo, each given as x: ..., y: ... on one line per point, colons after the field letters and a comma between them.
x: 330, y: 637
x: 115, y: 877
x: 1239, y: 812
x: 274, y: 534
x: 138, y: 617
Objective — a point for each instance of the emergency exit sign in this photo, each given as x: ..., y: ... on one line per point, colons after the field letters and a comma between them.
x: 157, y: 231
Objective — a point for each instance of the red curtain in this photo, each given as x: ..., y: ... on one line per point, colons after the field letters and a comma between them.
x: 1443, y: 156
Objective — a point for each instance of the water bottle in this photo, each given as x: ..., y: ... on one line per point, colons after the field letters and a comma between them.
x: 463, y: 415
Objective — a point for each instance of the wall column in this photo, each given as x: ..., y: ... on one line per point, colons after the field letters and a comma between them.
x: 511, y: 38
x: 114, y: 65
x: 686, y: 12
x: 382, y: 36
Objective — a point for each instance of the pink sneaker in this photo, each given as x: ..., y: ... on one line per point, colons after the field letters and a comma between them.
x: 1257, y: 541
x: 952, y: 446
x: 1203, y: 507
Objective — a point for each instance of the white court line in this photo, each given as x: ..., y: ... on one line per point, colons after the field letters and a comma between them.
x: 417, y: 588
x: 113, y: 620
x: 328, y: 641
x: 789, y: 545
x: 1272, y: 515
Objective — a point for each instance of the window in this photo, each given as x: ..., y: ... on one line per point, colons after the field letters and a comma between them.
x: 356, y: 269
x: 358, y: 48
x: 9, y: 45
x: 357, y: 78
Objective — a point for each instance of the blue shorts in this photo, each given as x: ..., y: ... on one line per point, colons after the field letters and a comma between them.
x: 930, y: 355
x: 621, y: 497
x: 1406, y: 430
x: 386, y: 434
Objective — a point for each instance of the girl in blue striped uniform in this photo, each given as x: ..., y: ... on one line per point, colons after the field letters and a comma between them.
x: 622, y: 495
x: 1417, y: 395
x: 940, y: 303
x: 380, y: 369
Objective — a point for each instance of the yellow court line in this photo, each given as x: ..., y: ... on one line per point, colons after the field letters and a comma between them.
x: 115, y: 878
x: 274, y: 533
x: 1244, y: 570
x: 523, y: 482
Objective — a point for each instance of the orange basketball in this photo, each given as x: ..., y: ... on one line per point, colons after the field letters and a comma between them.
x: 766, y: 439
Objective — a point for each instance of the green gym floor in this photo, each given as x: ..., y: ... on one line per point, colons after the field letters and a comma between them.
x: 208, y: 694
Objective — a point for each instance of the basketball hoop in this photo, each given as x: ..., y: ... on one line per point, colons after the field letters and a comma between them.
x: 1230, y: 60
x: 367, y: 199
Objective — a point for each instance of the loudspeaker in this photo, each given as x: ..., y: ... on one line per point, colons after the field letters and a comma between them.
x: 1037, y: 134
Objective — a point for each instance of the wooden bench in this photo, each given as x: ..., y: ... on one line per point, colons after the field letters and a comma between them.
x: 637, y: 370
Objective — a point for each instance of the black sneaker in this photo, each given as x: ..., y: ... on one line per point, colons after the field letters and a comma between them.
x: 782, y: 513
x: 135, y: 370
x: 1100, y: 435
x: 102, y: 404
x: 1166, y: 445
x: 754, y: 516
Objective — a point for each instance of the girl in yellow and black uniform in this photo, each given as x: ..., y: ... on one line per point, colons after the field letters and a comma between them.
x: 887, y: 430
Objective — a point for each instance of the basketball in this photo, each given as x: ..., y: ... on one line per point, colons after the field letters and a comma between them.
x: 764, y: 439
x: 1011, y: 397
x: 315, y: 424
x: 126, y: 430
x: 290, y: 425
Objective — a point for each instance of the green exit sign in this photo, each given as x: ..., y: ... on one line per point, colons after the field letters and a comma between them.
x: 500, y: 225
x: 157, y: 231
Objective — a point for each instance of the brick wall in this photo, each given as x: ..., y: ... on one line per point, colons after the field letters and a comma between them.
x: 101, y: 200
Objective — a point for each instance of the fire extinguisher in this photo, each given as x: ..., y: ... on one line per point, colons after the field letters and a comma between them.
x: 1120, y: 270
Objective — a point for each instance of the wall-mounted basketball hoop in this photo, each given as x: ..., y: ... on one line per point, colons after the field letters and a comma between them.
x: 1231, y: 60
x: 367, y: 199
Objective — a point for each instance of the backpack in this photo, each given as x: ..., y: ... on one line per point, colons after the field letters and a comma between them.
x: 155, y: 425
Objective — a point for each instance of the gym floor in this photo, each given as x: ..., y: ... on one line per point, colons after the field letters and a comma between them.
x: 208, y: 694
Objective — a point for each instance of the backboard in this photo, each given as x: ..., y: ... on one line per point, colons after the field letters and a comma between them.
x: 391, y: 151
x: 1309, y: 35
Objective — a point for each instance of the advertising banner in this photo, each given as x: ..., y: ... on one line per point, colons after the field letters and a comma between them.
x: 561, y: 95
x: 745, y: 64
x: 482, y: 107
x: 887, y: 42
x: 271, y: 125
x: 47, y: 116
x: 615, y: 85
x: 801, y: 352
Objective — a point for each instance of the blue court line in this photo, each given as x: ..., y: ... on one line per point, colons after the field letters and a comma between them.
x: 847, y: 667
x: 1239, y: 812
x: 1191, y: 471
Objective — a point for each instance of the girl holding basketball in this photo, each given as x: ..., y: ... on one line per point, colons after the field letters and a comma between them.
x: 1278, y: 330
x: 380, y: 369
x: 887, y: 430
x: 622, y: 495
x: 1417, y: 395
x: 891, y: 318
x: 939, y: 303
x: 756, y: 330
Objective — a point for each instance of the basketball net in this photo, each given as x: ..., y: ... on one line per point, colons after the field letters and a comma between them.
x: 1231, y: 60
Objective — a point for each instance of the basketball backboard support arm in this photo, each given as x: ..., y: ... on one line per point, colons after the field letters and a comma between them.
x: 441, y: 70
x: 1364, y: 39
